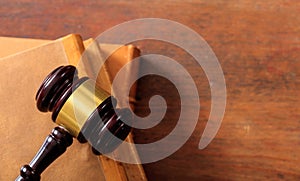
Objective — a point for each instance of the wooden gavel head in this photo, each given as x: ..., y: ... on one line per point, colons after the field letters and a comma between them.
x: 82, y: 111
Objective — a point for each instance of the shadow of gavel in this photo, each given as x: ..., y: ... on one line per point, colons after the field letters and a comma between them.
x: 82, y: 111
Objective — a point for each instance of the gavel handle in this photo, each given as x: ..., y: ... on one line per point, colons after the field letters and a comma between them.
x: 54, y: 146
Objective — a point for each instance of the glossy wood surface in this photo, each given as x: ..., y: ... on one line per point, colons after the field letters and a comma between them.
x: 258, y: 46
x: 53, y: 147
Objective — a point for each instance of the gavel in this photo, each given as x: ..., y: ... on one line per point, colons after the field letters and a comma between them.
x: 82, y: 111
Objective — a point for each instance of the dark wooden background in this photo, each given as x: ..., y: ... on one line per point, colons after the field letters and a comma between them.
x: 258, y: 46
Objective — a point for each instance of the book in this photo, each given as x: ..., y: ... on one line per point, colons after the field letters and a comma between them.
x: 25, y: 63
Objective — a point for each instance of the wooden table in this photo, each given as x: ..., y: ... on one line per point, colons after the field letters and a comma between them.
x: 258, y: 46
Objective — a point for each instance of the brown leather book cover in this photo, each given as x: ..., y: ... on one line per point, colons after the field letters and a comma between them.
x: 118, y: 56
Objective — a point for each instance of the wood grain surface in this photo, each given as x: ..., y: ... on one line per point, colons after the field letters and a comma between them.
x: 258, y: 46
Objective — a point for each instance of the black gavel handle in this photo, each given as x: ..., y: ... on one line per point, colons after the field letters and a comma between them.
x: 54, y: 146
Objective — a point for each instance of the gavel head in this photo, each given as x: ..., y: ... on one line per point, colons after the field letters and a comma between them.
x: 85, y: 111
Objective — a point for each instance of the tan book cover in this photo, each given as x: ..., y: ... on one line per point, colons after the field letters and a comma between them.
x: 24, y: 128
